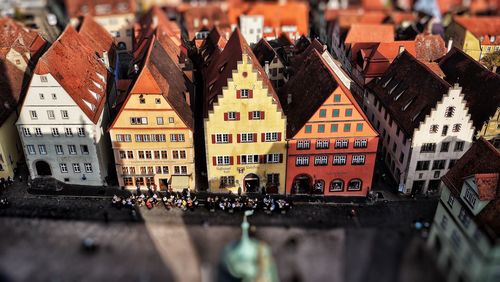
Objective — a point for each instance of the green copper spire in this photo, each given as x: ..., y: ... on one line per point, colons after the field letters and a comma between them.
x: 247, y: 259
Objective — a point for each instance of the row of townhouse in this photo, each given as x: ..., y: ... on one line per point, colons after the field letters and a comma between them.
x: 310, y: 137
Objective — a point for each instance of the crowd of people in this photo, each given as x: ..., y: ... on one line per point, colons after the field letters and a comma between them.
x: 185, y: 201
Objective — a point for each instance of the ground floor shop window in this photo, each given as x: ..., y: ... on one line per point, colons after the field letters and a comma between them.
x: 139, y: 181
x: 128, y: 181
x: 226, y: 181
x: 337, y: 185
x: 354, y: 185
x: 150, y: 181
x: 319, y: 186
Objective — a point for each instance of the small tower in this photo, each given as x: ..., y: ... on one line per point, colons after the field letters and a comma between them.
x: 247, y: 259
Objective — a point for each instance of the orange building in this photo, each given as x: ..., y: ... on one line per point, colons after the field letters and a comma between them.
x: 331, y: 145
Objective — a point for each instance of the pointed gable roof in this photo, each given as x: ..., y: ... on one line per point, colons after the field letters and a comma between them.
x: 74, y: 64
x: 160, y: 74
x: 222, y: 66
x: 314, y: 82
x: 481, y: 158
x: 264, y: 52
x: 480, y: 86
x: 408, y: 90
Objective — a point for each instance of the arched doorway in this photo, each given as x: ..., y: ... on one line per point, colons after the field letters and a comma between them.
x: 251, y: 183
x: 43, y: 168
x: 302, y: 184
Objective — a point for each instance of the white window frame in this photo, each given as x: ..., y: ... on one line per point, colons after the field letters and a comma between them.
x: 244, y: 93
x: 31, y: 149
x: 72, y: 149
x: 33, y: 115
x: 360, y: 143
x: 68, y: 131
x: 223, y: 160
x: 77, y: 168
x: 231, y: 115
x: 303, y: 144
x: 358, y: 159
x: 339, y: 159
x: 59, y: 149
x: 246, y: 138
x: 42, y: 149
x: 271, y: 136
x: 221, y: 138
x: 64, y: 114
x: 256, y: 115
x: 249, y: 159
x: 88, y: 167
x: 159, y: 121
x: 26, y: 132
x: 81, y: 131
x: 320, y: 160
x: 273, y: 158
x: 55, y: 131
x: 50, y: 114
x: 302, y: 161
x: 322, y: 144
x: 63, y: 167
x: 38, y: 131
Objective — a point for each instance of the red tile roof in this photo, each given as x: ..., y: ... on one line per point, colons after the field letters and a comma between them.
x: 97, y: 37
x: 487, y: 186
x: 429, y: 47
x: 309, y: 88
x: 408, y: 90
x: 481, y: 158
x: 206, y: 17
x: 75, y: 8
x: 482, y: 27
x: 73, y: 62
x: 216, y: 80
x: 14, y: 79
x: 370, y: 33
x: 160, y: 74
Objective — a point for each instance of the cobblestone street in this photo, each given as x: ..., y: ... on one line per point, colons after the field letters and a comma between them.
x: 308, y: 243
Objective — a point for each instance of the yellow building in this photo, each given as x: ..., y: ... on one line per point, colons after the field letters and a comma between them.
x: 243, y: 122
x: 152, y: 135
x: 476, y: 36
x: 10, y: 146
x: 491, y: 129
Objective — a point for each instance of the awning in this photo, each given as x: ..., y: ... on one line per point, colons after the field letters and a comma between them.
x: 179, y: 182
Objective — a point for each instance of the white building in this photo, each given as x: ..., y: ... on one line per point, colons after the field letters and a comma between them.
x: 252, y: 28
x: 465, y: 234
x: 64, y: 115
x: 423, y: 122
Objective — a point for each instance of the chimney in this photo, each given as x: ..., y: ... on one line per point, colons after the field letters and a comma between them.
x: 450, y: 44
x: 266, y: 68
x: 289, y: 98
x: 105, y: 58
x: 401, y: 49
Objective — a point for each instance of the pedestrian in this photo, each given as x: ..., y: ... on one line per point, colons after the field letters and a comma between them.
x: 239, y: 191
x: 263, y: 191
x: 20, y: 178
x: 138, y: 189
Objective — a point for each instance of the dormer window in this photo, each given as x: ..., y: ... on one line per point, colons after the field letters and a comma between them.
x: 43, y: 78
